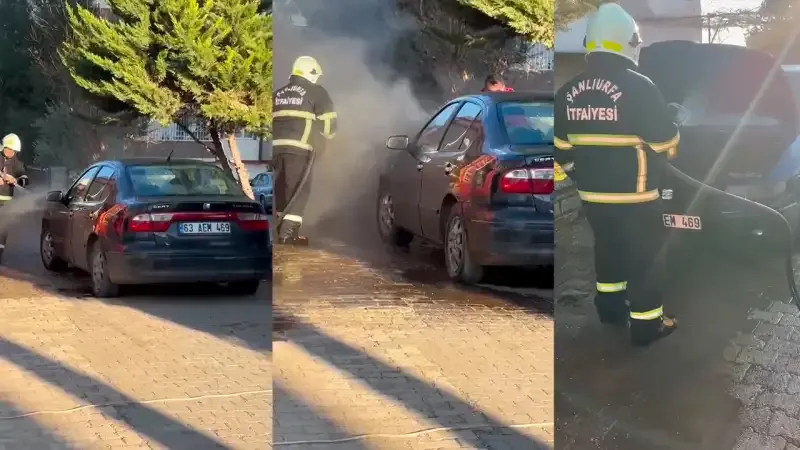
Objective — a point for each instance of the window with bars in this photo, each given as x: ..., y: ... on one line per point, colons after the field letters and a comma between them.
x: 174, y: 132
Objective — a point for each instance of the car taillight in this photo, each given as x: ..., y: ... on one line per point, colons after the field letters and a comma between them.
x: 150, y: 223
x: 253, y: 221
x: 528, y: 181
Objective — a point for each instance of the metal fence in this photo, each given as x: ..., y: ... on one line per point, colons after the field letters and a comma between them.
x: 175, y: 133
x: 539, y: 59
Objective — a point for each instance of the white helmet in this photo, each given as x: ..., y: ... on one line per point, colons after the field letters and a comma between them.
x: 12, y: 141
x: 308, y: 68
x: 612, y: 30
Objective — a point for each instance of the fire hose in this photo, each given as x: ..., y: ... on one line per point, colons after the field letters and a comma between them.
x: 301, y: 185
x: 782, y: 225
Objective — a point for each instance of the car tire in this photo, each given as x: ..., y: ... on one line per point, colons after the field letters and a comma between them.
x: 243, y: 288
x: 47, y: 253
x: 102, y: 286
x: 390, y: 233
x: 461, y: 265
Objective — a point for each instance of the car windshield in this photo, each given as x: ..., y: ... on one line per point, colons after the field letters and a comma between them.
x: 528, y: 123
x: 181, y: 180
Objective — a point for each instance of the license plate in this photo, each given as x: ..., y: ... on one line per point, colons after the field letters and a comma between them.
x: 683, y: 222
x: 204, y: 228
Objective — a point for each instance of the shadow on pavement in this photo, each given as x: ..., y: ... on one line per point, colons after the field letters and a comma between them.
x: 296, y: 421
x: 675, y: 394
x: 351, y: 361
x: 141, y: 418
x: 243, y: 320
x: 24, y: 433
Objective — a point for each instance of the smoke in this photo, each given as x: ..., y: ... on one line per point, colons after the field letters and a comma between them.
x: 356, y: 45
x: 26, y: 205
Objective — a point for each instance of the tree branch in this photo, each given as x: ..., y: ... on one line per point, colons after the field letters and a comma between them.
x: 194, y: 137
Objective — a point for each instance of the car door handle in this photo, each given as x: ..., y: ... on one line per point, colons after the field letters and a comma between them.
x: 94, y: 214
x: 420, y: 166
x: 71, y: 213
x: 448, y: 168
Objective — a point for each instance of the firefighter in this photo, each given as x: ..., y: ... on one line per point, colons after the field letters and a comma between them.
x: 304, y: 118
x: 13, y: 174
x: 613, y: 136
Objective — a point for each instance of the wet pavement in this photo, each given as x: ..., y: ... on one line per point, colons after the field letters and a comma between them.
x: 377, y: 349
x: 186, y: 368
x: 720, y: 382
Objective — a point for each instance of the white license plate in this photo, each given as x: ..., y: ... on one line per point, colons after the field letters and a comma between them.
x: 683, y: 222
x: 204, y: 228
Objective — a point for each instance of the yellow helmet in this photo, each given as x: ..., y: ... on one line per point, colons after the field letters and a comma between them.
x: 612, y: 30
x: 12, y: 141
x: 308, y: 68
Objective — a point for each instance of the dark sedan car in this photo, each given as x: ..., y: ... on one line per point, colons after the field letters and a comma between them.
x: 262, y: 189
x: 477, y: 180
x: 739, y: 133
x: 148, y: 221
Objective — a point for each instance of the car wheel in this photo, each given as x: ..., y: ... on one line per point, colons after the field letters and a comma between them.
x: 242, y: 288
x: 102, y: 286
x: 47, y: 252
x: 389, y: 231
x: 460, y: 264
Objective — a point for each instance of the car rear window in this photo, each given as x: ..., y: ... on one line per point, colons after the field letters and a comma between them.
x: 181, y: 180
x: 527, y: 123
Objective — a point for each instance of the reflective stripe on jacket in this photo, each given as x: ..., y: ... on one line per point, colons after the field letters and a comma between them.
x: 303, y: 113
x: 613, y: 126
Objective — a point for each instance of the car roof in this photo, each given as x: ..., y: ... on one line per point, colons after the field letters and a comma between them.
x: 496, y: 97
x: 146, y: 161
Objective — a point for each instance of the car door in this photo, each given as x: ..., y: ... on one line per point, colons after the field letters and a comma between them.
x: 59, y: 223
x: 86, y: 213
x: 75, y: 210
x: 257, y: 183
x: 437, y: 171
x: 405, y: 174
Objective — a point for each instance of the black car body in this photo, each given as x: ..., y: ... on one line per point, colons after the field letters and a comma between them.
x: 262, y: 185
x: 477, y: 180
x: 145, y: 221
x: 739, y: 133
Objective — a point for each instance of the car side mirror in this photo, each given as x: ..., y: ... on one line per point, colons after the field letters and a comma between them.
x: 397, y: 143
x: 55, y: 196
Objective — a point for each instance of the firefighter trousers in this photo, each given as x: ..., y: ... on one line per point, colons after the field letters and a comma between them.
x: 290, y: 167
x: 629, y: 260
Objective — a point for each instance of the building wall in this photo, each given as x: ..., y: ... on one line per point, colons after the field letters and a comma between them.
x: 659, y: 20
x: 567, y: 66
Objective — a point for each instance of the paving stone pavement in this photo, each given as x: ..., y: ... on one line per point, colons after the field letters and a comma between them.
x: 135, y: 373
x: 366, y: 358
x: 766, y: 371
x: 728, y: 379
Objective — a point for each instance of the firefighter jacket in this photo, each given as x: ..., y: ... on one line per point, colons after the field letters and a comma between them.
x: 613, y: 132
x: 15, y: 168
x: 303, y: 115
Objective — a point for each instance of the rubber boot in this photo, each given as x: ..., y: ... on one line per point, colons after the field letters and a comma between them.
x: 289, y: 234
x: 646, y: 332
x: 612, y: 309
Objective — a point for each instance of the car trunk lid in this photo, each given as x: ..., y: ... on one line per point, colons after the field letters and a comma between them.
x: 198, y: 223
x: 741, y: 113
